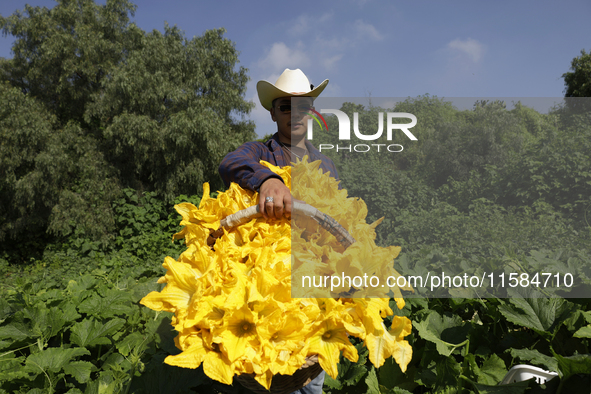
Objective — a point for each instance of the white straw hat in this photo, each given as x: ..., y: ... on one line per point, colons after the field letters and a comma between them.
x: 292, y: 83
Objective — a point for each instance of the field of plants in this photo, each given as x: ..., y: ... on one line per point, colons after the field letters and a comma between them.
x: 70, y: 321
x: 104, y: 127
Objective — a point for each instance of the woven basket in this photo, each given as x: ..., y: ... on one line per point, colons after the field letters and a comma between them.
x: 298, y: 208
x: 285, y: 384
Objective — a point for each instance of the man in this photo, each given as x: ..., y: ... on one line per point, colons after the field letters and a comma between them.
x: 289, y: 143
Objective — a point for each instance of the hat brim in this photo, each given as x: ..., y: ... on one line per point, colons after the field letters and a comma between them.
x: 269, y: 92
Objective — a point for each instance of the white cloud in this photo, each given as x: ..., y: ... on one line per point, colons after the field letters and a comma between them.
x: 332, y: 44
x: 332, y: 90
x: 301, y: 26
x: 318, y: 44
x: 269, y: 78
x: 280, y: 57
x: 329, y: 62
x: 308, y: 24
x: 325, y: 17
x: 470, y: 47
x: 368, y: 30
x: 316, y: 41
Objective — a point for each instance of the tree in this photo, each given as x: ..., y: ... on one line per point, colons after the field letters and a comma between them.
x: 97, y: 104
x: 167, y: 111
x: 578, y: 80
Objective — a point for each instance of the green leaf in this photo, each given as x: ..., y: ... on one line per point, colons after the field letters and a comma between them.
x: 395, y: 390
x: 493, y: 370
x: 11, y: 367
x: 447, y: 390
x: 54, y: 322
x: 90, y: 332
x: 130, y: 342
x: 53, y: 359
x: 416, y: 303
x: 105, y: 384
x: 69, y: 310
x: 5, y: 343
x: 354, y: 374
x: 448, y: 372
x: 513, y: 388
x: 79, y: 370
x: 569, y: 366
x: 116, y: 303
x: 350, y: 373
x: 5, y: 310
x: 36, y: 391
x: 447, y: 331
x: 332, y: 383
x: 373, y: 387
x: 537, y: 358
x: 116, y: 362
x: 53, y: 294
x: 575, y: 320
x: 427, y: 376
x: 390, y: 376
x: 544, y: 315
x: 15, y: 331
x: 82, y: 283
x: 583, y: 332
x: 46, y: 322
x: 470, y: 368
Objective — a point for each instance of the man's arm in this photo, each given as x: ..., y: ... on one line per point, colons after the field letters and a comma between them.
x: 243, y: 167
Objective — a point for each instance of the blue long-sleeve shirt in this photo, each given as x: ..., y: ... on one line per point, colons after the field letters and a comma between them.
x: 242, y: 166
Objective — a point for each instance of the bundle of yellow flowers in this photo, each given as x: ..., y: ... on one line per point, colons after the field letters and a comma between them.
x: 233, y: 306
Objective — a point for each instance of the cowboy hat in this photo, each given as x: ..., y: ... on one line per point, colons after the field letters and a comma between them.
x: 292, y: 83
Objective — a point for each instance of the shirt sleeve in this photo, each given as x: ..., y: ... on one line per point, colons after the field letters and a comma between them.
x: 243, y: 167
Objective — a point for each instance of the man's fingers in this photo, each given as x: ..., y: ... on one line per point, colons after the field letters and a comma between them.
x: 281, y: 199
x: 278, y: 209
x: 288, y: 206
x: 268, y: 208
x: 264, y: 206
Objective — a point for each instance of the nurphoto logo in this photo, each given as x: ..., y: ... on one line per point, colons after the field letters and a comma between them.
x: 345, y: 130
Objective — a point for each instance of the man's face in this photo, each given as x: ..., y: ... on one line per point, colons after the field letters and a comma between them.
x: 292, y: 120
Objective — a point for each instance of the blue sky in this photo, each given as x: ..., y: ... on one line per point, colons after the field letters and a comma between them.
x: 386, y: 48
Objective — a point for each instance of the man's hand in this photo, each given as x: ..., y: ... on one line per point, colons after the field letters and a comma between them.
x: 281, y: 194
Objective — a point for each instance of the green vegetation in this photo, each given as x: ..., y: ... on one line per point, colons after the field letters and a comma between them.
x: 104, y: 129
x: 95, y: 105
x: 486, y: 190
x: 577, y: 82
x: 70, y: 319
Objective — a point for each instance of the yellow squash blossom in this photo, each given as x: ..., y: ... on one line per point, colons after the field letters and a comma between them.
x: 329, y: 338
x: 233, y: 304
